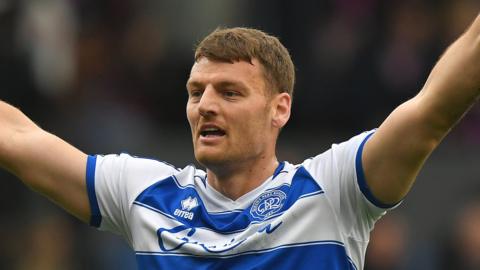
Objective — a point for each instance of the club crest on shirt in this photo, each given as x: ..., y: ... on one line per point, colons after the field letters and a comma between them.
x: 268, y: 204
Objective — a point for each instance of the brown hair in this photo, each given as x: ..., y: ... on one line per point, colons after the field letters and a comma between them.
x: 245, y: 44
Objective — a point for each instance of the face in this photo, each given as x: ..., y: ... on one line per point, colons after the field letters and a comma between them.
x: 229, y: 112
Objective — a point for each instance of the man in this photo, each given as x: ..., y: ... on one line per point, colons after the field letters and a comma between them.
x: 249, y: 211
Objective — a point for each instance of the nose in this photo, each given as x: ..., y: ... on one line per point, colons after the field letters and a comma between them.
x: 208, y: 104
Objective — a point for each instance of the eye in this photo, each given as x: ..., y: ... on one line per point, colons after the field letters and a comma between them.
x: 195, y: 94
x: 230, y: 93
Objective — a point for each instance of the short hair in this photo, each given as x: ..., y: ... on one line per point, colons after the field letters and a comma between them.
x: 246, y: 44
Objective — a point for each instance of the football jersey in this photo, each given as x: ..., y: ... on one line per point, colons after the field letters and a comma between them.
x: 313, y: 215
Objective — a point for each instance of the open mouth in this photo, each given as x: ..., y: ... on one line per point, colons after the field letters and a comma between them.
x: 211, y: 132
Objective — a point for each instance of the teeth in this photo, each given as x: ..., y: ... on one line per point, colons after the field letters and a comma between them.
x: 211, y: 129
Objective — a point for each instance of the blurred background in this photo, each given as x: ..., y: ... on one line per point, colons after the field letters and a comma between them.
x: 109, y: 76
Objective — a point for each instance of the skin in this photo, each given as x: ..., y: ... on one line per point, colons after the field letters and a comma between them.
x: 233, y: 97
x: 44, y: 162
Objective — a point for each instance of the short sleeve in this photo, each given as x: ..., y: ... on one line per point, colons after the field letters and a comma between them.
x: 113, y: 183
x: 339, y: 171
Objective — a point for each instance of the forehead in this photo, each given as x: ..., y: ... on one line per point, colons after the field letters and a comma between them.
x: 205, y: 71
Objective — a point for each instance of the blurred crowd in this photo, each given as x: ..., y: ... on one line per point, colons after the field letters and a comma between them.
x: 109, y: 76
x: 457, y: 248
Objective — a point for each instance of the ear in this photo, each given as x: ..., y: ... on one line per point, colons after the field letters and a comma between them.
x: 281, y: 105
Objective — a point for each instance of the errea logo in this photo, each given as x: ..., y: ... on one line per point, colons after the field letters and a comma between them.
x: 187, y: 205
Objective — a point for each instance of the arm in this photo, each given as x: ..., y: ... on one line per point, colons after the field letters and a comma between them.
x: 43, y: 161
x: 393, y: 157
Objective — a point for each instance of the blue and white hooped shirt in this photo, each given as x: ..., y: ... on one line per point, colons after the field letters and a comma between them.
x: 315, y: 215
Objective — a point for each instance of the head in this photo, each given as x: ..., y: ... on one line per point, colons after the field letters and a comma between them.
x: 240, y: 91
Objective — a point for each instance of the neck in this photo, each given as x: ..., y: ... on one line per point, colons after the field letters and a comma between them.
x: 235, y: 181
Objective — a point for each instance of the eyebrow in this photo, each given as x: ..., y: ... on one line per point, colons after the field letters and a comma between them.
x: 193, y: 84
x: 221, y: 84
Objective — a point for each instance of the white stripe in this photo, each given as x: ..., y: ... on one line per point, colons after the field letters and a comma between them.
x: 243, y: 253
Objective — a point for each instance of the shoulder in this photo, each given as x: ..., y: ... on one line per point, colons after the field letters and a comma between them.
x: 133, y: 172
x: 129, y: 162
x: 339, y: 160
x: 342, y: 149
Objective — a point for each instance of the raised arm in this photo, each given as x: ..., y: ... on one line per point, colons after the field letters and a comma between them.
x: 43, y: 161
x: 393, y: 157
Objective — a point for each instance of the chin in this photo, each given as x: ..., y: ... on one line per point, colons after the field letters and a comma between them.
x: 209, y: 159
x: 205, y: 158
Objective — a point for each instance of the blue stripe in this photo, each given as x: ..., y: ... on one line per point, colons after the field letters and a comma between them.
x: 95, y: 218
x: 327, y: 255
x: 166, y: 195
x: 362, y: 183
